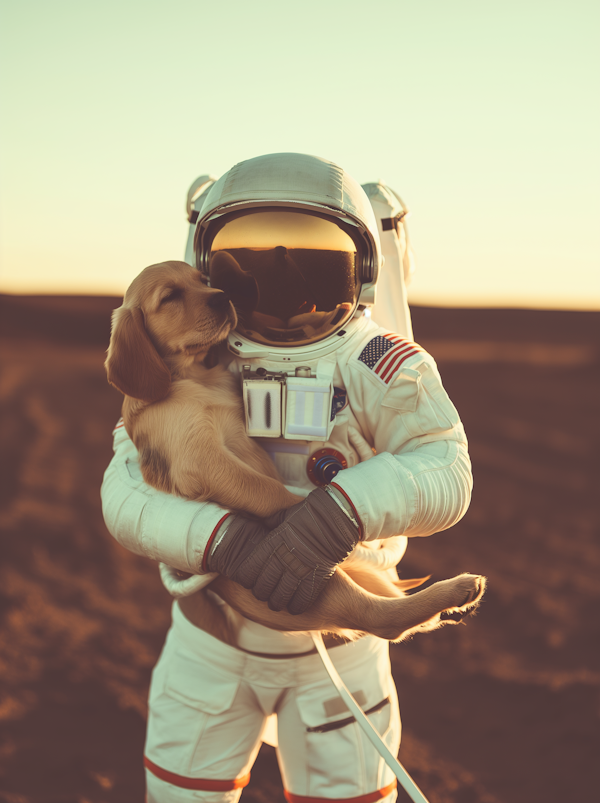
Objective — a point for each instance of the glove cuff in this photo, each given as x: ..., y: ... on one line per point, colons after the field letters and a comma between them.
x: 215, y: 539
x: 342, y: 531
x: 383, y: 492
x: 345, y: 503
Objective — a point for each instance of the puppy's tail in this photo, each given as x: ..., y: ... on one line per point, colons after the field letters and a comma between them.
x: 414, y: 582
x: 381, y: 583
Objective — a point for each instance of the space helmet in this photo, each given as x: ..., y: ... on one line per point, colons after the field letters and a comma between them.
x: 292, y: 239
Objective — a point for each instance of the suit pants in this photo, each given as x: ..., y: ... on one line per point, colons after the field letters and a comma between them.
x: 208, y: 707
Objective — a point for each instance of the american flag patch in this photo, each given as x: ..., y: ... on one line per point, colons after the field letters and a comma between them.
x: 386, y: 353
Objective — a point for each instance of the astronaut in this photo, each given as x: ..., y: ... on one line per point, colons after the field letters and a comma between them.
x: 339, y: 403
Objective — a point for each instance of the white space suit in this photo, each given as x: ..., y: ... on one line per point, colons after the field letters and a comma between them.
x: 350, y: 405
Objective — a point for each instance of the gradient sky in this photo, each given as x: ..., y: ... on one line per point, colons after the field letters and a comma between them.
x: 483, y: 116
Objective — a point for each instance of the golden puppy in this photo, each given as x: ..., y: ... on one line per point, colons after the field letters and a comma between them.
x: 184, y: 414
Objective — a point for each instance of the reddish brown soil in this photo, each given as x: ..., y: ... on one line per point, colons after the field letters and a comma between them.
x: 502, y: 710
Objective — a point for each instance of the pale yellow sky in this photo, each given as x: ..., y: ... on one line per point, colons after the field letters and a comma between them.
x: 483, y: 116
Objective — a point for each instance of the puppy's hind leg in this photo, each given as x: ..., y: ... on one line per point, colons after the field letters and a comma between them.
x: 346, y: 608
x: 393, y: 618
x: 445, y: 602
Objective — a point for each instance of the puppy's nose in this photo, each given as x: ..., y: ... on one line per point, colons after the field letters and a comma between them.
x: 218, y: 300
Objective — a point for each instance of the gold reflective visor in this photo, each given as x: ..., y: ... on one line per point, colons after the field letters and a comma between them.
x: 264, y: 230
x: 292, y: 276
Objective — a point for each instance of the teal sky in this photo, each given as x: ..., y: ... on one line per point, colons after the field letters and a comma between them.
x: 483, y: 116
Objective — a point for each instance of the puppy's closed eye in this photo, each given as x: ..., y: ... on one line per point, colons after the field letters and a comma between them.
x: 174, y: 294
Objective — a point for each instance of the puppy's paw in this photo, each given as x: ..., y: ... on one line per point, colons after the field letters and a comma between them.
x: 444, y: 603
x: 468, y: 590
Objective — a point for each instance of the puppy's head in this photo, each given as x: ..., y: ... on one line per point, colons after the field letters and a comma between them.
x: 169, y: 316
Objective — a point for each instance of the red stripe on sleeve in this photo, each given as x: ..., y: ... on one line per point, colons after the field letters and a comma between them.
x: 351, y: 503
x: 209, y: 544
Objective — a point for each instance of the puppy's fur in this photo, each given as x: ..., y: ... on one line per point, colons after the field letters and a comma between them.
x: 184, y: 413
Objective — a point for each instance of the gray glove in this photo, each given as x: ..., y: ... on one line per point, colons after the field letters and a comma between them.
x: 288, y: 558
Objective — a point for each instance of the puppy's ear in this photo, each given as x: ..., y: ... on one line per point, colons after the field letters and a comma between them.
x: 133, y: 365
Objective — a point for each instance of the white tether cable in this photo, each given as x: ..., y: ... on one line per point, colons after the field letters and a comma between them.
x: 401, y: 774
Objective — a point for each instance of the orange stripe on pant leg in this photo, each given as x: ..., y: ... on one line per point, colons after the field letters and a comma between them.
x: 202, y: 784
x: 370, y: 797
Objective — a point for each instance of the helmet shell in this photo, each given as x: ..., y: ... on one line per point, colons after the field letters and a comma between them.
x: 295, y: 180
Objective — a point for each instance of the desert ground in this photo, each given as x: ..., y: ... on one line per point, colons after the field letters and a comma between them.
x: 502, y: 709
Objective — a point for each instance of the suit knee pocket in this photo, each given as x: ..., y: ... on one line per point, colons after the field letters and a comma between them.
x: 200, y: 685
x: 323, y: 713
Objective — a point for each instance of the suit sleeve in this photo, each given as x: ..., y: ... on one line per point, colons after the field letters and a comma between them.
x: 419, y: 482
x: 160, y: 526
